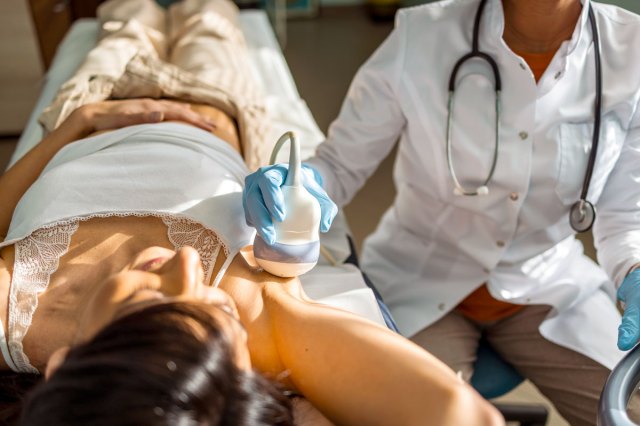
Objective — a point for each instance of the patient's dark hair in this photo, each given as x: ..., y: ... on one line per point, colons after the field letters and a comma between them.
x: 151, y: 368
x: 13, y: 389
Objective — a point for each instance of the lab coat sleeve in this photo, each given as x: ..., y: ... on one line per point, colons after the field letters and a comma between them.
x: 369, y: 123
x: 617, y: 227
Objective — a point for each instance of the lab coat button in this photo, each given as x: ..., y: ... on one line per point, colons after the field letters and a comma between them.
x: 500, y: 243
x: 441, y: 306
x: 486, y: 270
x: 523, y: 135
x: 514, y: 196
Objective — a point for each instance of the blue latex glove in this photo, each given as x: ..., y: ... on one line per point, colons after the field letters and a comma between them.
x: 629, y: 293
x: 262, y: 198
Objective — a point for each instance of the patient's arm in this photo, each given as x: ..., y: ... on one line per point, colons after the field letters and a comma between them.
x: 15, y: 181
x: 82, y: 122
x: 354, y: 371
x: 357, y: 372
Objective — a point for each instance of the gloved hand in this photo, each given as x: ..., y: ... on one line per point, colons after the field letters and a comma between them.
x: 262, y: 198
x: 629, y: 293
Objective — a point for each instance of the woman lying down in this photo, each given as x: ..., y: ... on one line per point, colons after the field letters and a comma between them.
x: 130, y: 331
x: 119, y: 225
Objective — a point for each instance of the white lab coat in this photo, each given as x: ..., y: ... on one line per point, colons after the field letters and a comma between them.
x: 432, y: 248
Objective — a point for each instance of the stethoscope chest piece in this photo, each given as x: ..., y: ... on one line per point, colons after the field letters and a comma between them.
x: 582, y: 215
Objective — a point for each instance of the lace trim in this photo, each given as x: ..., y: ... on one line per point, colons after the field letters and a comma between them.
x: 37, y: 256
x: 185, y: 232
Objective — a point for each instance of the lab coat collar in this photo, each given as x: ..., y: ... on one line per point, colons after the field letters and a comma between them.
x: 579, y: 31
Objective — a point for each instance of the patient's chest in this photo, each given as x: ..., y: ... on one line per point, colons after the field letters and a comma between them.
x: 103, y: 246
x: 55, y: 268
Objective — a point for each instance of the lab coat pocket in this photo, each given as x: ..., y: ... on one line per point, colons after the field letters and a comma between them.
x: 574, y: 148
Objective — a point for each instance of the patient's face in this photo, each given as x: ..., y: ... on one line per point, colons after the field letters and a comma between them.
x: 159, y: 275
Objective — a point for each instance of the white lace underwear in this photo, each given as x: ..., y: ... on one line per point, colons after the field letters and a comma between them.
x: 37, y: 257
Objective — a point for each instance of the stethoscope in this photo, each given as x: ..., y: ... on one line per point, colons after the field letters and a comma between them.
x: 582, y: 213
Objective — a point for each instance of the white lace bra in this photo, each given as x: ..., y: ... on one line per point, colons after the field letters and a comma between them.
x: 37, y: 257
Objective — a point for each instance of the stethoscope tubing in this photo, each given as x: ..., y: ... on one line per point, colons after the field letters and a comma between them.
x: 597, y: 106
x: 582, y: 210
x: 459, y: 189
x: 475, y: 53
x: 471, y: 55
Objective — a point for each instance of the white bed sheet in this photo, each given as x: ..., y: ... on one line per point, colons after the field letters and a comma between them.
x: 337, y: 285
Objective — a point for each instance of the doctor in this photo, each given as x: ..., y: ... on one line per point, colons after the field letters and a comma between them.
x: 479, y: 239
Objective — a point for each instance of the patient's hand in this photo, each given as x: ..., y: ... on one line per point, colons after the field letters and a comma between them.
x: 110, y: 115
